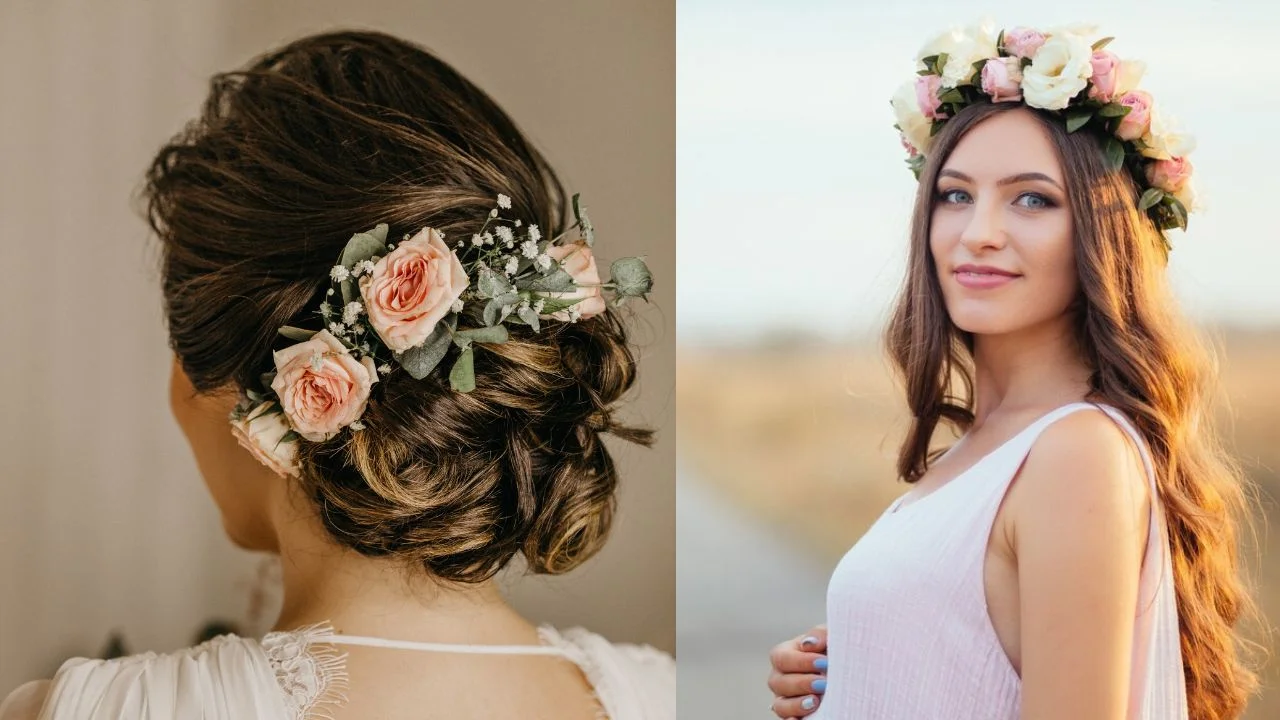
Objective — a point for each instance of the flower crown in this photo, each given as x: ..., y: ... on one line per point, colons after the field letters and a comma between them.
x: 1056, y: 70
x: 401, y: 306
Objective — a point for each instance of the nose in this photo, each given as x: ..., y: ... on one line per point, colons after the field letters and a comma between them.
x: 985, y: 228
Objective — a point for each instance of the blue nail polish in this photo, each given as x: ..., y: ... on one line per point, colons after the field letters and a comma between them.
x: 808, y: 703
x: 820, y: 664
x: 819, y: 685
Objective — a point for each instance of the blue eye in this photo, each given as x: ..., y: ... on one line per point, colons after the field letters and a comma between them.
x: 1040, y: 201
x: 950, y: 196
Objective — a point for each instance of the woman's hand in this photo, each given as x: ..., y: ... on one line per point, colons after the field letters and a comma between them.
x: 799, y: 678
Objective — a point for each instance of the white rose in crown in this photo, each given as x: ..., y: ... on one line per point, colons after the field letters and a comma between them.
x: 1059, y: 70
x: 914, y: 125
x: 1166, y: 140
x: 964, y: 47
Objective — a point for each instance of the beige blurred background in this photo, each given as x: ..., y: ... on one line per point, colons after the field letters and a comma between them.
x: 794, y: 205
x: 104, y: 523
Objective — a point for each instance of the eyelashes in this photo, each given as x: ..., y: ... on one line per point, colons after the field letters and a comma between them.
x: 1043, y: 202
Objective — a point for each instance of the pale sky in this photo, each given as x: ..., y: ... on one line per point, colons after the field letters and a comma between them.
x: 792, y: 193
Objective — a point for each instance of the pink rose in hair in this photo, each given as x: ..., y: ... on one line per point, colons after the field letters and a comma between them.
x: 927, y: 95
x: 1138, y: 121
x: 1002, y: 79
x: 1106, y: 75
x: 577, y: 260
x: 1169, y: 175
x: 261, y: 435
x: 906, y: 144
x: 321, y: 386
x: 1023, y: 42
x: 412, y: 289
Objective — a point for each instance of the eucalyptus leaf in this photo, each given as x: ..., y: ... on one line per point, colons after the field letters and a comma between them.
x: 350, y: 292
x: 1179, y: 213
x: 492, y: 284
x: 558, y: 281
x: 273, y: 409
x: 254, y: 395
x: 298, y: 334
x: 631, y: 277
x: 493, y: 311
x: 421, y: 360
x: 1102, y: 43
x: 495, y: 334
x: 1114, y: 154
x: 462, y: 378
x: 1078, y: 118
x: 363, y: 246
x: 267, y: 378
x: 554, y: 305
x: 529, y: 317
x: 291, y: 436
x: 1150, y: 198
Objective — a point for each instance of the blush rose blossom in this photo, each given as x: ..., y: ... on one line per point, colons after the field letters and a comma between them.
x: 1138, y: 121
x: 322, y: 387
x: 262, y: 436
x: 411, y: 289
x: 1169, y: 175
x: 1023, y: 42
x: 1106, y: 75
x: 1002, y: 79
x: 577, y: 260
x: 927, y: 96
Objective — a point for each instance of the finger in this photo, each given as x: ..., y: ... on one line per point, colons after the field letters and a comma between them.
x: 792, y: 661
x: 795, y: 707
x: 797, y: 686
x: 813, y: 641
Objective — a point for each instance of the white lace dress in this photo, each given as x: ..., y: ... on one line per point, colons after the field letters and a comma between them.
x: 300, y: 674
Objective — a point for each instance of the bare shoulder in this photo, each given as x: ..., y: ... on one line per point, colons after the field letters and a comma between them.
x: 25, y: 702
x: 1083, y: 470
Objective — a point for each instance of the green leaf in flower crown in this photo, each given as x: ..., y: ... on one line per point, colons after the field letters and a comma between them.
x: 363, y: 246
x: 491, y: 284
x: 496, y: 334
x: 916, y: 164
x: 421, y: 360
x: 350, y: 291
x: 529, y: 317
x: 493, y: 310
x: 1078, y: 118
x: 1000, y: 43
x: 552, y: 305
x: 1114, y: 154
x: 558, y: 281
x: 631, y: 277
x: 940, y: 63
x: 1102, y: 43
x: 931, y: 65
x: 1179, y: 212
x: 1114, y: 110
x: 254, y: 395
x: 953, y: 95
x: 267, y: 378
x: 584, y: 223
x: 291, y: 436
x: 298, y: 334
x: 462, y: 378
x: 1150, y: 198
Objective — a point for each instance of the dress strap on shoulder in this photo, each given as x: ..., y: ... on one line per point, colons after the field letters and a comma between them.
x: 337, y: 639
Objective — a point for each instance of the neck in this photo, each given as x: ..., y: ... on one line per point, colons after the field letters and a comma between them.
x: 379, y: 597
x: 1028, y: 370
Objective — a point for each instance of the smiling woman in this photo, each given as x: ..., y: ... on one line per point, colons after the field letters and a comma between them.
x: 1053, y: 563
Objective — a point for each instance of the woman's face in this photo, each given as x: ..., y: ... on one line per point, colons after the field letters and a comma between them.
x: 240, y: 485
x: 1001, y: 230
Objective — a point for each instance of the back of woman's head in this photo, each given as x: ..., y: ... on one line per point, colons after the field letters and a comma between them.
x: 1145, y: 360
x: 254, y: 202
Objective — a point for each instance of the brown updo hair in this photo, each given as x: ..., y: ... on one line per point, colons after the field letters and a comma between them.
x: 253, y: 203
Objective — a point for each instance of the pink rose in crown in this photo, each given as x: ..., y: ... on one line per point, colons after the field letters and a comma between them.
x: 927, y: 96
x: 1106, y: 74
x: 1169, y: 175
x: 1138, y: 121
x: 411, y: 289
x: 1002, y: 79
x: 906, y: 145
x: 577, y: 260
x: 321, y: 386
x: 262, y: 434
x: 1023, y: 42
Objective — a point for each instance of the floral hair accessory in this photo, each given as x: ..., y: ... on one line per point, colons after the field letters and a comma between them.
x: 408, y: 306
x: 1058, y: 71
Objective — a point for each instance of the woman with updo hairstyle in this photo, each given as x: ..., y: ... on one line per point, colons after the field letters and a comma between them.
x: 364, y: 266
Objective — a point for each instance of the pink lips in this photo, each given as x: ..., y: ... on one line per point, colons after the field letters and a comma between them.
x: 983, y: 277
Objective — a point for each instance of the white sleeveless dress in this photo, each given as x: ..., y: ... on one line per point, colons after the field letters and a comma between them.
x: 300, y: 675
x: 909, y: 634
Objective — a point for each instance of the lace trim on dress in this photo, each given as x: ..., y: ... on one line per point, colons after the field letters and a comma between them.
x: 311, y: 674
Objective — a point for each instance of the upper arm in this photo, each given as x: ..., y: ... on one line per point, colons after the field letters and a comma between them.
x: 25, y: 702
x: 1079, y: 529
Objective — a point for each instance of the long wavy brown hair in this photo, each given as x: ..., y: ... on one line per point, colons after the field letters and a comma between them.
x: 1146, y: 361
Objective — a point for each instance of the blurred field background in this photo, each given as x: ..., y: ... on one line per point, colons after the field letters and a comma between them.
x: 793, y: 207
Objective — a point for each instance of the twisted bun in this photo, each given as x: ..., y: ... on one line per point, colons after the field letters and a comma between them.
x: 253, y: 203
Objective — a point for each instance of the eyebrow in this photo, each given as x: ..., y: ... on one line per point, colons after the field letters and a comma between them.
x: 1020, y: 177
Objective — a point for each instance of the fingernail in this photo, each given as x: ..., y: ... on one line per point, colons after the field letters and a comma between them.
x: 819, y: 685
x: 808, y: 703
x: 809, y: 640
x: 820, y: 664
